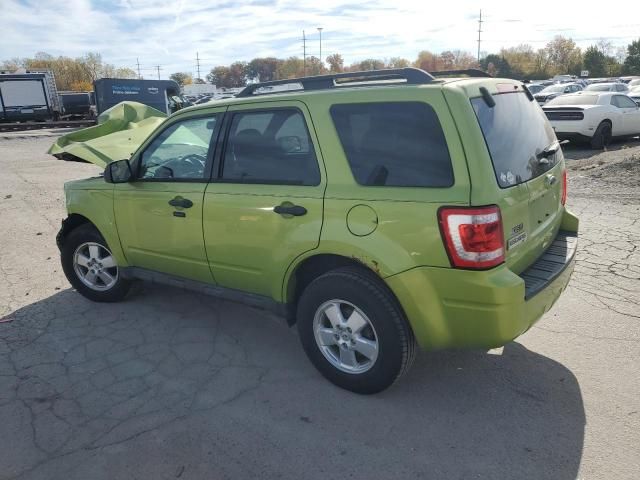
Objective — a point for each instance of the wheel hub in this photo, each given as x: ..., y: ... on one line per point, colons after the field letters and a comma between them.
x: 345, y: 336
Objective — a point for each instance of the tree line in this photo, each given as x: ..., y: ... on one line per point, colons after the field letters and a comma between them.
x: 560, y: 56
x: 76, y: 74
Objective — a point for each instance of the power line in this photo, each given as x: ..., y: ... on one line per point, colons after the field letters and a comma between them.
x: 479, y: 34
x: 158, y: 68
x: 304, y: 54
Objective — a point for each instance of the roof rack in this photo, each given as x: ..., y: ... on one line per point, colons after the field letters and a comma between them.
x: 470, y: 72
x: 412, y: 76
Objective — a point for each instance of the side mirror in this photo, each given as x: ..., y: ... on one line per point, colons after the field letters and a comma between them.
x: 118, y: 172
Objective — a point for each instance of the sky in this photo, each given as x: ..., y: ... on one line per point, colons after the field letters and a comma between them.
x: 170, y: 32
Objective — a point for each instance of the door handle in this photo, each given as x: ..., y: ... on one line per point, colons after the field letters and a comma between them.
x: 181, y: 202
x: 295, y: 210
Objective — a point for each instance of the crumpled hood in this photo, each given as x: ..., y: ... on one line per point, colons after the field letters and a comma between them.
x: 118, y: 134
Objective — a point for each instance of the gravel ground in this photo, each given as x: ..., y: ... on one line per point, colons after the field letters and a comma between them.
x: 170, y: 384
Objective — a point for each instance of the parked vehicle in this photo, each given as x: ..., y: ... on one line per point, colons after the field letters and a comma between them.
x: 634, y: 83
x: 76, y: 104
x: 374, y: 209
x: 634, y: 93
x: 163, y: 95
x: 535, y: 87
x: 593, y: 117
x: 607, y: 87
x: 28, y: 95
x: 553, y: 91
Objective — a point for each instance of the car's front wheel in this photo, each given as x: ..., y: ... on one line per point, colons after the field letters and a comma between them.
x: 90, y: 266
x: 354, y: 331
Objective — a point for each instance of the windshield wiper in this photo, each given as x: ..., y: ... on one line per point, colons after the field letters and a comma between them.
x: 543, y: 156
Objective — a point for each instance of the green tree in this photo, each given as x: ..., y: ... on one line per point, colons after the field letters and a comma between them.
x: 595, y: 61
x: 292, y: 67
x: 336, y: 63
x: 220, y: 76
x: 428, y: 61
x: 235, y: 75
x: 564, y: 56
x: 632, y: 62
x: 263, y: 69
x: 496, y: 65
x: 181, y: 78
x: 369, y: 64
x: 397, y: 62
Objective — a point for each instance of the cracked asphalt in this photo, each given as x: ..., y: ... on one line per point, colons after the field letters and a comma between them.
x: 171, y: 384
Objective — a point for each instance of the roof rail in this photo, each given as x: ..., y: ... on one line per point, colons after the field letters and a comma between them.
x: 413, y: 76
x: 470, y: 72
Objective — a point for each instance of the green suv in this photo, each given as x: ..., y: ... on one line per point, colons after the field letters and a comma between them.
x: 378, y: 211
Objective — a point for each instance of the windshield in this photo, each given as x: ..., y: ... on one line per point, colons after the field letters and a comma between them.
x: 603, y: 87
x: 554, y: 89
x: 574, y: 100
x: 516, y: 130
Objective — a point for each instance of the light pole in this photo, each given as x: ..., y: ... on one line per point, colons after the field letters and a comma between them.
x: 321, y: 62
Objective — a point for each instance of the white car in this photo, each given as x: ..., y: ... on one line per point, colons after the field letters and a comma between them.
x: 553, y: 91
x: 607, y: 87
x: 594, y: 117
x: 634, y: 93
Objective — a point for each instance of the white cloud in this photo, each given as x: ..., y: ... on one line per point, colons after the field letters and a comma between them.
x: 169, y: 32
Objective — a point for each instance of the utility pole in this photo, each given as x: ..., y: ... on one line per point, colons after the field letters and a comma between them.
x: 138, y: 63
x: 158, y: 68
x: 479, y: 34
x: 321, y: 62
x: 198, y: 65
x: 304, y: 54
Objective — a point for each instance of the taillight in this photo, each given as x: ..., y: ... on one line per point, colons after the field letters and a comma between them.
x: 473, y: 236
x: 563, y: 198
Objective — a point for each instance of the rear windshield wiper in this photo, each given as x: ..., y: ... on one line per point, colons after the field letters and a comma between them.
x: 543, y: 156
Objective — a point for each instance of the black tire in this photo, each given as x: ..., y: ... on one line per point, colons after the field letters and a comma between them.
x: 83, y: 234
x: 396, y: 342
x: 602, y: 137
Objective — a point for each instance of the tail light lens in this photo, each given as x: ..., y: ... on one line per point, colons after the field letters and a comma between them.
x: 563, y: 198
x: 473, y: 237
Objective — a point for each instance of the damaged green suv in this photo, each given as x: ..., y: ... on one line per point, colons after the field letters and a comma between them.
x: 377, y: 210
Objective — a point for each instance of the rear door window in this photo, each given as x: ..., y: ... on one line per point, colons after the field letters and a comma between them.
x: 270, y: 147
x: 399, y: 144
x: 516, y: 131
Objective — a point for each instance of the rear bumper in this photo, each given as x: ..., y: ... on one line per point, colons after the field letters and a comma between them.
x: 448, y: 307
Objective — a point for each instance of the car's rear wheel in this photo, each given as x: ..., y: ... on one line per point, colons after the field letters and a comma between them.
x: 602, y: 137
x: 354, y: 331
x: 90, y: 266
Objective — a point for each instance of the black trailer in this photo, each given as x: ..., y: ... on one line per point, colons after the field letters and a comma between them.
x: 76, y: 104
x: 28, y: 96
x: 163, y: 95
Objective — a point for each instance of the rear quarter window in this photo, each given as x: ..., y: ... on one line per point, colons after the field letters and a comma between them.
x: 399, y: 144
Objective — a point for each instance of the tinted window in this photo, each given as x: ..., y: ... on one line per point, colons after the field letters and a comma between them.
x: 623, y: 101
x: 394, y: 144
x: 272, y: 147
x: 180, y: 151
x: 516, y: 131
x: 574, y: 100
x: 599, y: 88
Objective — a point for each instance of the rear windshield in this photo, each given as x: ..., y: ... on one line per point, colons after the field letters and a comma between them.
x: 516, y: 130
x: 599, y: 88
x: 574, y: 100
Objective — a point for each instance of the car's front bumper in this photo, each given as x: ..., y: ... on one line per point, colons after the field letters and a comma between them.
x: 449, y: 307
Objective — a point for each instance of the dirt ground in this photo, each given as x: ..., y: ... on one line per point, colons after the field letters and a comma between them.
x: 170, y: 384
